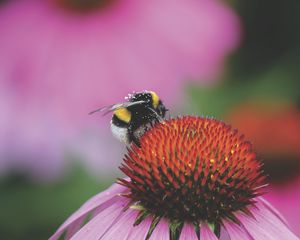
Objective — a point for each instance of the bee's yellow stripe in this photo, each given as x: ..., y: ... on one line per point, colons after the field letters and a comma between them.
x: 123, y: 114
x: 155, y: 99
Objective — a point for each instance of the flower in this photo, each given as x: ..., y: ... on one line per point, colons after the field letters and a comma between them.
x: 192, y: 177
x: 62, y: 58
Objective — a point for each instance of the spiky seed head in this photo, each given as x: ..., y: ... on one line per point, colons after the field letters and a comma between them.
x: 193, y: 169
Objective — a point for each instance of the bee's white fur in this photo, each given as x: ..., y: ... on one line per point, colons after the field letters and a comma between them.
x: 120, y: 133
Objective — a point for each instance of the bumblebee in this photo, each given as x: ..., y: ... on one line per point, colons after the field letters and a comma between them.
x: 133, y: 118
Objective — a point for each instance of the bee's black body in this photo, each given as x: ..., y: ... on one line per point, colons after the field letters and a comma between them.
x: 143, y: 115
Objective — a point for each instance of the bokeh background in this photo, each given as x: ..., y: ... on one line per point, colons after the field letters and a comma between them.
x: 237, y: 61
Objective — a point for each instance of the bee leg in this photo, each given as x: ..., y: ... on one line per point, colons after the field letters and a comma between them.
x: 154, y: 122
x: 136, y: 141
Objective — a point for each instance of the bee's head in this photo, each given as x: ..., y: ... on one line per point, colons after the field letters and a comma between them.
x: 161, y: 109
x: 151, y: 99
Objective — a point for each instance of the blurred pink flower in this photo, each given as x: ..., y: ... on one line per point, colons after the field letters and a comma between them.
x: 286, y: 199
x: 57, y: 63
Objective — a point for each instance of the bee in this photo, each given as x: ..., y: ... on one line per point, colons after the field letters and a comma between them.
x: 133, y: 118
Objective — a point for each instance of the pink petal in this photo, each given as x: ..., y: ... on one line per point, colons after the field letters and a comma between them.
x: 161, y: 231
x: 140, y: 231
x: 235, y: 231
x: 272, y: 209
x: 188, y: 232
x: 224, y: 234
x: 282, y: 197
x: 74, y: 227
x: 102, y: 199
x: 122, y: 228
x: 266, y: 224
x: 206, y: 233
x: 100, y: 224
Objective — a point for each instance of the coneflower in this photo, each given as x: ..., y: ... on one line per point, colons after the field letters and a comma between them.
x: 192, y: 178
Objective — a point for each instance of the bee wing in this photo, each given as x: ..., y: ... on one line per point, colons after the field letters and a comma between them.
x: 111, y: 108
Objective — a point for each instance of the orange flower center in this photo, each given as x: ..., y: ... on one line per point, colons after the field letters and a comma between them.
x: 193, y: 169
